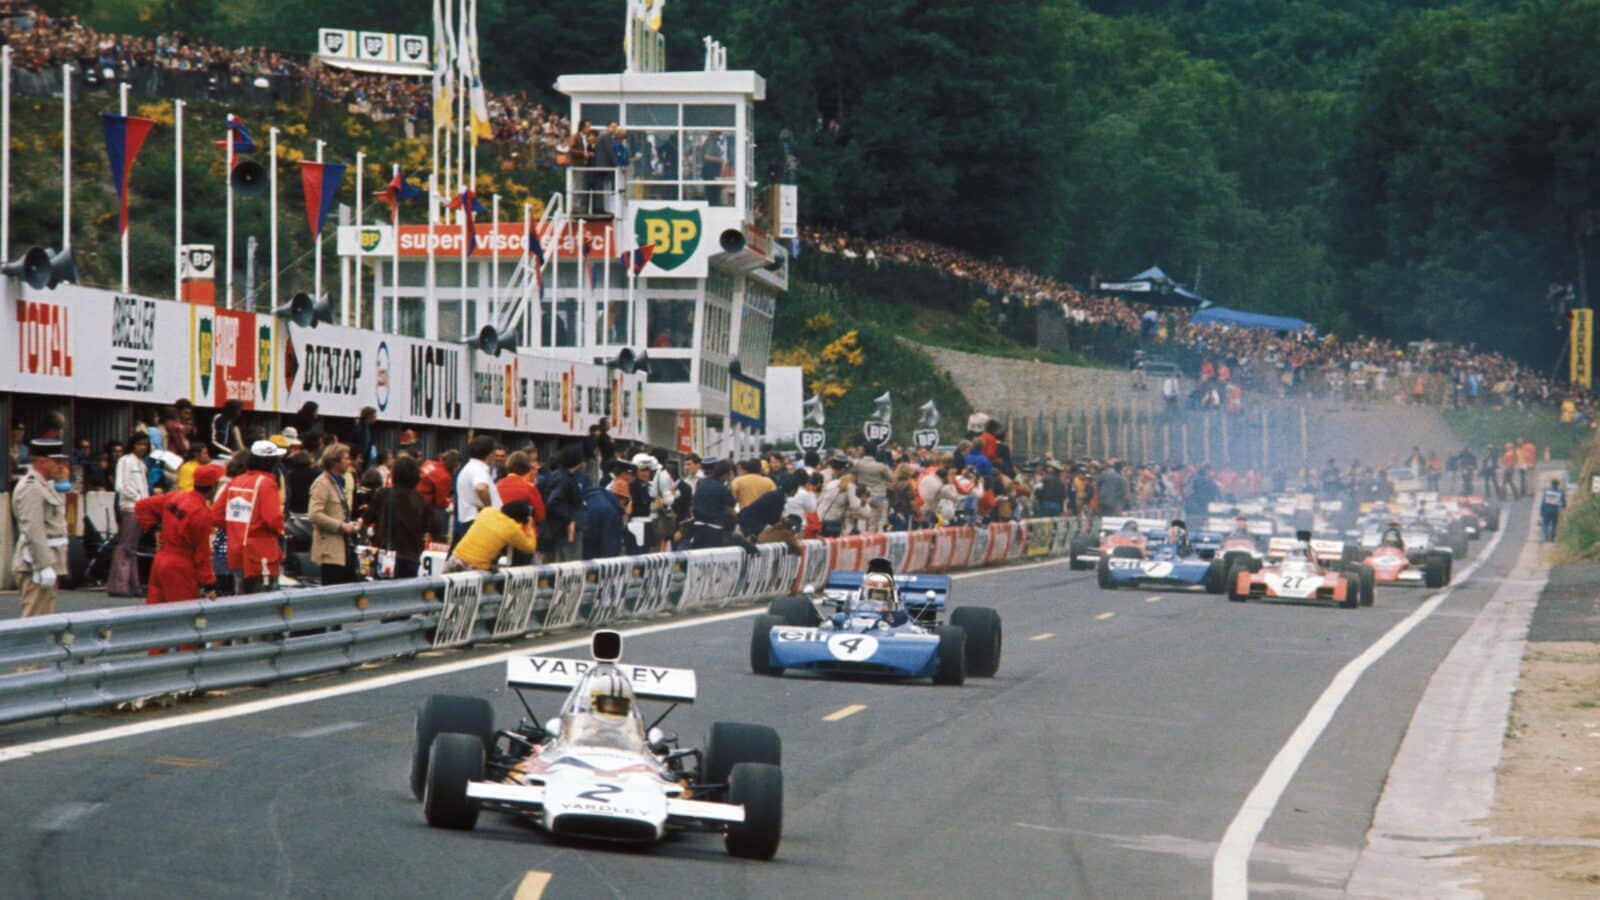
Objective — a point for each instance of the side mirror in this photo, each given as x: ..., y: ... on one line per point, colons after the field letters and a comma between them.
x: 552, y: 726
x: 931, y: 596
x: 809, y: 590
x: 655, y: 736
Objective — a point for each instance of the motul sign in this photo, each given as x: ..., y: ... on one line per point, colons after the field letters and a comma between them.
x: 44, y: 346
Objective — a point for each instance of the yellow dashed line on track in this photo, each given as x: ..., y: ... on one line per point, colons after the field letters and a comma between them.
x: 184, y: 762
x: 1104, y: 616
x: 845, y: 713
x: 1044, y: 636
x: 532, y: 886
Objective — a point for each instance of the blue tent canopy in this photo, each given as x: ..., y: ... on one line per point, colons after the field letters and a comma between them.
x: 1224, y: 316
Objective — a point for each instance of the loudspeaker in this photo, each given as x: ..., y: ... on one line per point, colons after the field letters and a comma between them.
x: 248, y: 177
x: 882, y: 409
x: 302, y: 310
x: 32, y: 267
x: 735, y: 367
x: 642, y: 364
x: 42, y: 268
x: 812, y: 410
x: 930, y: 415
x: 624, y: 361
x: 732, y: 240
x: 493, y: 342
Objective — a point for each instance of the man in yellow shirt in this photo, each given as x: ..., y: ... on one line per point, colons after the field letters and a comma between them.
x: 751, y: 483
x: 199, y: 455
x: 490, y: 533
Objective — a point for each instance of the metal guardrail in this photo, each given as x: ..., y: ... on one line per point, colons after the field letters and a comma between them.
x: 74, y: 662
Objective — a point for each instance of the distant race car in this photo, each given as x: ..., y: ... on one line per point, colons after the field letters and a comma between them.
x: 1122, y: 536
x: 596, y: 771
x: 870, y: 630
x: 1298, y: 575
x: 1395, y: 564
x: 1164, y: 564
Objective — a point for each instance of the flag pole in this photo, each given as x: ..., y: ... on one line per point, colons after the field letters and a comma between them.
x: 582, y: 262
x: 396, y: 247
x: 316, y: 236
x: 127, y: 187
x: 5, y: 153
x: 527, y: 250
x: 177, y: 192
x: 466, y: 205
x: 494, y: 261
x: 227, y: 176
x: 360, y: 211
x: 66, y: 156
x: 605, y: 294
x: 272, y: 212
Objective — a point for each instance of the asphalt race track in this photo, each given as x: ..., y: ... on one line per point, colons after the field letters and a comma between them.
x: 1106, y: 760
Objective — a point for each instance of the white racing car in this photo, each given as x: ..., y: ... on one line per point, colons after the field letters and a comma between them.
x: 597, y: 771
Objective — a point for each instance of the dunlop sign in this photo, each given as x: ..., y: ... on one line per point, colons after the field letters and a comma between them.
x: 1581, y: 351
x: 747, y: 402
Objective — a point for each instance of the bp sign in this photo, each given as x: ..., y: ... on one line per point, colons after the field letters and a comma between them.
x: 675, y: 234
x: 816, y: 438
x: 925, y: 438
x: 875, y: 431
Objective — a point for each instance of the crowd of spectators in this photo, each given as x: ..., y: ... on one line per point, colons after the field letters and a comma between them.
x: 41, y: 42
x: 1365, y: 368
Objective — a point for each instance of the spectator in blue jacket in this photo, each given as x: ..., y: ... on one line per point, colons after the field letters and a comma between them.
x: 602, y: 529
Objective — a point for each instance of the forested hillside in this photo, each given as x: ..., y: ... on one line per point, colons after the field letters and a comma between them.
x: 1406, y: 168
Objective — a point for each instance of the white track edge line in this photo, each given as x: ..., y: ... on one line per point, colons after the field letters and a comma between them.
x: 133, y: 729
x: 1230, y: 867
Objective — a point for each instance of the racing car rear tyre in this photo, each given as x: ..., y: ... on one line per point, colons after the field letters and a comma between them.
x: 1369, y: 584
x: 1102, y: 574
x: 1493, y: 517
x: 759, y: 789
x: 1077, y: 547
x: 982, y: 626
x: 952, y: 656
x: 445, y: 714
x: 1234, y: 572
x: 761, y: 645
x: 732, y: 743
x: 1217, y: 576
x: 456, y: 759
x: 1352, y: 588
x: 796, y: 611
x: 1433, y: 571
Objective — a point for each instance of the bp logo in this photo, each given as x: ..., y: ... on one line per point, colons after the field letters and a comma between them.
x: 675, y: 234
x: 370, y: 238
x: 204, y: 353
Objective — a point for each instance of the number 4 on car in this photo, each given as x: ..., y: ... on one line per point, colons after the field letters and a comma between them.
x: 879, y: 623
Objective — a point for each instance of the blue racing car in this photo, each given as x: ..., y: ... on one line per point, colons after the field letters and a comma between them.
x: 875, y: 629
x: 1175, y: 562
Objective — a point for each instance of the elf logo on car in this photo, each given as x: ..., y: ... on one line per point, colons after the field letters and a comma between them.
x: 852, y: 647
x: 801, y: 635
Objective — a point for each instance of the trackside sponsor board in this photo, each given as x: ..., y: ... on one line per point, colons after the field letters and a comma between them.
x: 90, y: 343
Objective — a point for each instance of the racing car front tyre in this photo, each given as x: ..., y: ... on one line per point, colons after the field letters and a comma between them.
x: 1234, y: 572
x: 1369, y: 584
x: 761, y: 645
x: 795, y: 611
x: 1217, y: 576
x: 442, y: 714
x: 1102, y: 574
x: 456, y: 759
x: 982, y: 626
x: 732, y: 743
x: 758, y: 788
x: 952, y: 656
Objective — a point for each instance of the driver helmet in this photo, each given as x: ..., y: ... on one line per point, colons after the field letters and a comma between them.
x: 1391, y: 534
x: 610, y: 693
x: 877, y: 591
x: 1130, y: 527
x: 1178, y: 532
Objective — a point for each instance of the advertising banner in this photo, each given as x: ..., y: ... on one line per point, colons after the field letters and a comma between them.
x: 747, y: 402
x: 231, y: 357
x: 1581, y: 352
x: 684, y: 235
x: 378, y: 240
x: 90, y: 343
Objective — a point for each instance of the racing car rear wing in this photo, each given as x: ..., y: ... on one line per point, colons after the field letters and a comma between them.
x: 1146, y: 526
x: 914, y: 589
x: 559, y: 673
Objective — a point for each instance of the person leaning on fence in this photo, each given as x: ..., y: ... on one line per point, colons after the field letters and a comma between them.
x: 331, y: 521
x: 518, y: 484
x: 399, y: 519
x: 493, y: 531
x: 41, y: 521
